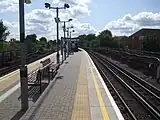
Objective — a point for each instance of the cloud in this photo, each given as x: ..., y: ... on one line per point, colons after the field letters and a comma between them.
x: 82, y: 28
x: 13, y: 29
x: 131, y: 23
x: 8, y: 6
x: 42, y: 23
x: 78, y: 8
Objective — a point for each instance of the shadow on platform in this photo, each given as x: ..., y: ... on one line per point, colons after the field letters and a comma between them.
x: 34, y: 94
x: 18, y: 115
x: 66, y: 62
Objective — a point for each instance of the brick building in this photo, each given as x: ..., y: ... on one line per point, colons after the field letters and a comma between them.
x: 137, y: 38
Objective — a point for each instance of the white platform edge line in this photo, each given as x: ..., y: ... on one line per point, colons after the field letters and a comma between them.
x: 9, y: 92
x: 115, y: 107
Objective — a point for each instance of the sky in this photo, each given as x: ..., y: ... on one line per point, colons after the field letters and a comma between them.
x: 121, y: 17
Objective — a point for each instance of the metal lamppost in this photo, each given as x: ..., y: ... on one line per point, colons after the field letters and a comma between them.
x: 68, y: 41
x: 23, y: 66
x: 57, y: 20
x: 71, y: 33
x: 64, y: 30
x: 71, y: 39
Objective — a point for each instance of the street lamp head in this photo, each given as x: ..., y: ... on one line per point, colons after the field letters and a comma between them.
x: 66, y: 5
x: 72, y: 27
x: 70, y: 20
x: 47, y: 5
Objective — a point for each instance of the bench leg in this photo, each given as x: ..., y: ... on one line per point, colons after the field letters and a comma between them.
x: 49, y: 77
x: 40, y: 86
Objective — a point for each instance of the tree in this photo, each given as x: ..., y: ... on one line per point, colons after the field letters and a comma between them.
x: 82, y: 39
x: 14, y: 47
x: 3, y: 34
x: 43, y: 42
x: 105, y: 38
x: 31, y: 43
x: 43, y: 39
x: 51, y: 44
x: 90, y: 37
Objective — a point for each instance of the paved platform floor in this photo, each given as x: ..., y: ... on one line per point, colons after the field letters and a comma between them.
x: 77, y: 93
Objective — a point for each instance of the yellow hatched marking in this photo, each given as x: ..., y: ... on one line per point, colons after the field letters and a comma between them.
x: 100, y: 99
x: 81, y: 103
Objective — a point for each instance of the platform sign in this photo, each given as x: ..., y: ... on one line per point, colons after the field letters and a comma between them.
x: 27, y: 1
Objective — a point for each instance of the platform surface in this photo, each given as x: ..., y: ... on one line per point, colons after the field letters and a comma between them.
x: 77, y: 93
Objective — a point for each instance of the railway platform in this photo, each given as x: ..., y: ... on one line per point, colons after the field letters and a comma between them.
x: 78, y: 92
x: 10, y: 104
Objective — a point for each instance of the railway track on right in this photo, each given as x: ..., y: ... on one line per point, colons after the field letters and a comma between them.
x: 139, y: 99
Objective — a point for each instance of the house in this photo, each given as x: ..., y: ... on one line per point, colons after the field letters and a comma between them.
x: 137, y: 38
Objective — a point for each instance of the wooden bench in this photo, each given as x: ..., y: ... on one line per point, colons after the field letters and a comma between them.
x: 53, y: 69
x: 49, y: 69
x: 35, y: 79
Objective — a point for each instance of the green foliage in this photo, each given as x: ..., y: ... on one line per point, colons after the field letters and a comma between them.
x: 31, y: 43
x: 14, y: 45
x: 104, y: 39
x: 3, y: 36
x: 90, y: 37
x: 82, y: 40
x: 51, y: 44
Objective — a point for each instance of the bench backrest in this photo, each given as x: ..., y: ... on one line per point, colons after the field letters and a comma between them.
x: 46, y: 62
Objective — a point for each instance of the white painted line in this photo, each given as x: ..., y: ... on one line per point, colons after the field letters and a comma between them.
x: 114, y: 105
x: 9, y: 92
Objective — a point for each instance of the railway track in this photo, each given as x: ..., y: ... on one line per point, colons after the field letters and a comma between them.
x: 140, y: 99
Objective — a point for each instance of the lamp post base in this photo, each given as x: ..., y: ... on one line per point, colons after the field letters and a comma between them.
x: 58, y: 58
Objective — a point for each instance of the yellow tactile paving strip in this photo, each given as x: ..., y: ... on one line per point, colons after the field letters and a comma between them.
x: 81, y: 103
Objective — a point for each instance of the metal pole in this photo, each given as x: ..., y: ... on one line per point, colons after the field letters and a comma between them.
x: 65, y: 40
x: 62, y: 48
x: 58, y: 56
x: 23, y: 66
x: 68, y: 43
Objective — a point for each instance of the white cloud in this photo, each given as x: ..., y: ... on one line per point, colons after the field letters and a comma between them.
x: 13, y: 29
x: 8, y: 6
x: 78, y: 8
x: 131, y: 23
x: 42, y: 23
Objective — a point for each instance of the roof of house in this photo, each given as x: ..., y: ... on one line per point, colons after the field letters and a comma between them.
x: 146, y: 32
